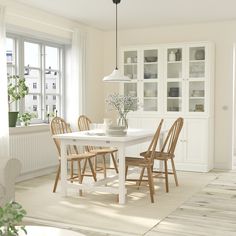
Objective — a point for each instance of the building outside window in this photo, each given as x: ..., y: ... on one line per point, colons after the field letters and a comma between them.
x: 24, y: 58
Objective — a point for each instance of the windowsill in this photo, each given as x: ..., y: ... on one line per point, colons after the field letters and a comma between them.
x: 34, y: 128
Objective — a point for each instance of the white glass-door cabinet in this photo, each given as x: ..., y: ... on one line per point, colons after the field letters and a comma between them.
x: 174, y: 80
x: 142, y: 67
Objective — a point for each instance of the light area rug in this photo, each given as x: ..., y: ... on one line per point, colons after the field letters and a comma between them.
x: 211, y: 211
x: 100, y: 211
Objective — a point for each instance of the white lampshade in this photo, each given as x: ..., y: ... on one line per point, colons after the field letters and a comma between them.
x: 116, y: 76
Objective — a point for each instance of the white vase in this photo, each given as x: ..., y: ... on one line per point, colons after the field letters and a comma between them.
x: 172, y: 56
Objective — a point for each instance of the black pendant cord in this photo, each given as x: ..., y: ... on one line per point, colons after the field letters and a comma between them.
x: 116, y: 37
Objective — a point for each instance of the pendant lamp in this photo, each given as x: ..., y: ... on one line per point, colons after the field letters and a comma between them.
x: 116, y: 76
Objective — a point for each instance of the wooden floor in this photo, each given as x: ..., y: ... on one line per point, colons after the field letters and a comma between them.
x: 210, y: 212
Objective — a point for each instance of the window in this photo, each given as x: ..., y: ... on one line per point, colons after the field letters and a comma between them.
x: 40, y: 63
x: 35, y: 107
x: 34, y: 85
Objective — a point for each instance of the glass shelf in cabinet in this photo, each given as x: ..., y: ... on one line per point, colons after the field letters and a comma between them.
x: 197, y: 60
x: 173, y: 98
x: 148, y: 98
x: 130, y: 63
x: 194, y: 98
x: 174, y: 62
x: 150, y: 63
x: 173, y: 110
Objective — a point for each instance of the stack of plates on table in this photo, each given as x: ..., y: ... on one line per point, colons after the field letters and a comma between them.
x: 116, y: 131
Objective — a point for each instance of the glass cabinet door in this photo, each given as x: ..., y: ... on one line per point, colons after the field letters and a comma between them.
x: 131, y: 64
x: 196, y: 78
x: 150, y: 80
x: 174, y: 80
x: 130, y: 89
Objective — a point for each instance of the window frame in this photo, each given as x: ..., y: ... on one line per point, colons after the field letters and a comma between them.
x: 19, y: 41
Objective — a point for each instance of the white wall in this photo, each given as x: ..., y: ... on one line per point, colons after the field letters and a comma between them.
x: 223, y: 34
x: 31, y: 21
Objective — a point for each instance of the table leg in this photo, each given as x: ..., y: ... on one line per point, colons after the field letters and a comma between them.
x: 63, y: 169
x: 122, y: 190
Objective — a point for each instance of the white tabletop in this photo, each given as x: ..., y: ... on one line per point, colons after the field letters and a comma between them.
x: 132, y: 134
x: 47, y: 231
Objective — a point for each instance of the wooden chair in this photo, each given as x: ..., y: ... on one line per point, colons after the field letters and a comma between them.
x: 59, y: 126
x: 145, y: 162
x: 167, y: 152
x: 84, y: 124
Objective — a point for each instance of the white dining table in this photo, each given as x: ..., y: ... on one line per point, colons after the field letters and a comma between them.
x: 94, y: 138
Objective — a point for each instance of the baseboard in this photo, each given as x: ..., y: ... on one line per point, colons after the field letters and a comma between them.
x: 37, y: 173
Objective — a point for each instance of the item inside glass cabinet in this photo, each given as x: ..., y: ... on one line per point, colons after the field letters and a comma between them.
x: 174, y: 92
x: 199, y: 107
x: 172, y: 56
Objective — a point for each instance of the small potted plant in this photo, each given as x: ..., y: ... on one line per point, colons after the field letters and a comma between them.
x: 11, y: 216
x: 25, y: 118
x: 17, y: 89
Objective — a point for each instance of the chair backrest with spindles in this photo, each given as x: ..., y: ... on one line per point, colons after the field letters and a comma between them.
x: 83, y: 125
x: 172, y: 137
x: 149, y: 155
x: 59, y: 126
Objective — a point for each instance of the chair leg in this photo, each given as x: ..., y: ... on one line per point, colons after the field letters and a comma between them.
x: 166, y: 176
x: 126, y: 171
x: 92, y: 169
x: 104, y: 165
x: 84, y: 168
x: 174, y: 172
x: 95, y: 164
x: 141, y: 177
x: 150, y: 183
x: 80, y: 176
x: 114, y: 162
x: 71, y: 171
x: 57, y: 177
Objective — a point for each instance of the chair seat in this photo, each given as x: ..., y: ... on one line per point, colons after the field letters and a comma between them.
x: 136, y: 161
x: 100, y: 151
x: 80, y: 156
x: 160, y: 155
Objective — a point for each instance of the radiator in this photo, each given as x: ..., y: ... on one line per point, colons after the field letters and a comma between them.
x: 35, y: 150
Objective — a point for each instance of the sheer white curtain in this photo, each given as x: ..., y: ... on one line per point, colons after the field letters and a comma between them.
x: 75, y: 81
x: 4, y: 130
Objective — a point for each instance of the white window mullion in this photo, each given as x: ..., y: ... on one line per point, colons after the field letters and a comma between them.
x: 43, y: 81
x: 20, y: 69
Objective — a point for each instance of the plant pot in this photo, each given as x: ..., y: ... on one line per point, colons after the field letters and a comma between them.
x: 12, y: 118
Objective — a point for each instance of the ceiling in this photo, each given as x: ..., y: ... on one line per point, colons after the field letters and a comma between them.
x: 138, y: 13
